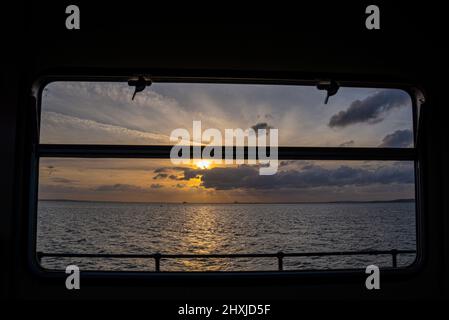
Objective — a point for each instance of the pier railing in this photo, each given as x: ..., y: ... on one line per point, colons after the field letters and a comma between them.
x: 279, y: 256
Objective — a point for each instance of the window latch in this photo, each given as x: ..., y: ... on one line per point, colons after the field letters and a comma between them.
x: 330, y: 86
x: 139, y: 83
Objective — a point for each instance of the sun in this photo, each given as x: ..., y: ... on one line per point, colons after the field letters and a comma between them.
x: 203, y: 164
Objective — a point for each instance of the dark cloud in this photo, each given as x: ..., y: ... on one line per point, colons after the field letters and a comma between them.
x: 166, y: 175
x: 50, y: 170
x: 247, y: 177
x: 398, y: 139
x: 118, y: 187
x: 58, y: 189
x: 63, y: 180
x: 156, y: 186
x: 261, y: 126
x: 347, y: 143
x: 167, y: 169
x: 371, y: 109
x: 285, y: 163
x: 160, y: 176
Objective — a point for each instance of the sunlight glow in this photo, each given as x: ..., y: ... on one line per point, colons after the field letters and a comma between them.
x: 203, y: 164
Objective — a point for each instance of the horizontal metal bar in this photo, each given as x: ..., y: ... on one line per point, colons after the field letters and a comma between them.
x: 230, y: 255
x: 221, y: 76
x: 284, y: 153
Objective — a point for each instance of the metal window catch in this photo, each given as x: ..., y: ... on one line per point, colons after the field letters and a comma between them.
x: 330, y: 86
x: 140, y: 83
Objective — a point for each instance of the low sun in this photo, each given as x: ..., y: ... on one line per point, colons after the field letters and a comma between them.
x: 203, y: 164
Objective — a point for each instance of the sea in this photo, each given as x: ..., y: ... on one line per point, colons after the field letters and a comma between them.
x: 148, y: 228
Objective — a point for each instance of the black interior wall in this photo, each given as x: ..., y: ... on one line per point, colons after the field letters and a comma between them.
x: 299, y: 42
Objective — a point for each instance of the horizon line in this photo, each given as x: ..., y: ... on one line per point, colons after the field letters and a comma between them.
x: 238, y: 202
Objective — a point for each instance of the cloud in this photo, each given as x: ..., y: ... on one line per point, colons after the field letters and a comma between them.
x: 285, y: 163
x: 167, y: 169
x: 347, y: 143
x: 167, y: 173
x: 160, y: 176
x: 58, y: 127
x: 398, y: 139
x: 89, y: 112
x: 261, y: 126
x: 108, y: 103
x: 62, y: 180
x: 126, y: 188
x: 313, y: 176
x: 371, y: 109
x: 119, y: 187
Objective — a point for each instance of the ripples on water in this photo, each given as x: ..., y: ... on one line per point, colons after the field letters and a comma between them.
x: 94, y: 227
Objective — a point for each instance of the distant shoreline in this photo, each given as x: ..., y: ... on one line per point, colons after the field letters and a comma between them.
x: 235, y: 203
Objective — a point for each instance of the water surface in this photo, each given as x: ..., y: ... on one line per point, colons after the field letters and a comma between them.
x: 107, y: 227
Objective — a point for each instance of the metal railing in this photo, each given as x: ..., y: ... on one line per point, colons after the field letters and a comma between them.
x: 279, y: 256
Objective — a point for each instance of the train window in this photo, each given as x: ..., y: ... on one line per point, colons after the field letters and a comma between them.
x: 110, y: 196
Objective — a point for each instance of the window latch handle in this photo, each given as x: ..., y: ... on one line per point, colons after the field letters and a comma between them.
x: 139, y: 83
x: 330, y: 86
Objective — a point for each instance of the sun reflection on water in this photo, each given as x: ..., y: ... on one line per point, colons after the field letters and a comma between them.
x: 202, y: 235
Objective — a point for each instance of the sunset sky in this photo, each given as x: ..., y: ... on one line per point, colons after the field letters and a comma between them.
x: 103, y: 113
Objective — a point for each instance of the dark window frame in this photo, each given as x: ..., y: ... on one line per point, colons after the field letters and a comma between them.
x: 285, y: 153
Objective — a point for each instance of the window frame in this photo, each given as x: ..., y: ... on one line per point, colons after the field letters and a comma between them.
x: 38, y: 150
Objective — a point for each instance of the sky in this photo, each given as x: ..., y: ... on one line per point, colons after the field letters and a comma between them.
x: 103, y: 113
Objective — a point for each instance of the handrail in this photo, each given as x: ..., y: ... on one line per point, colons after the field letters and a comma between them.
x: 279, y: 255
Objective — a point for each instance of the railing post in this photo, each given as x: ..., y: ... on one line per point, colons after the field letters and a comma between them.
x: 280, y: 256
x: 157, y: 262
x: 394, y: 254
